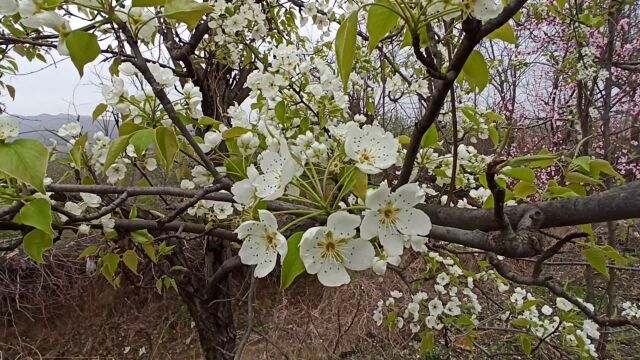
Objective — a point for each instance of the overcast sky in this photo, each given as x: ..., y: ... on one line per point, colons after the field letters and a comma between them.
x: 54, y: 89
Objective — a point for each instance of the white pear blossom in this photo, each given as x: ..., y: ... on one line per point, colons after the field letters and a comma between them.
x: 277, y: 171
x: 91, y: 200
x: 8, y: 127
x: 112, y: 92
x: 243, y: 191
x: 116, y: 172
x: 379, y: 265
x: 127, y: 69
x: 211, y: 140
x: 372, y: 148
x: 390, y: 216
x: 8, y: 7
x: 435, y: 307
x: 563, y: 304
x: 222, y: 209
x: 261, y: 243
x: 329, y: 250
x: 187, y: 184
x: 162, y: 75
x: 151, y: 164
x: 484, y: 10
x: 247, y: 143
x: 70, y: 129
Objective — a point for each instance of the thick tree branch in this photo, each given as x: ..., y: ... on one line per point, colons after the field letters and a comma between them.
x: 474, y: 33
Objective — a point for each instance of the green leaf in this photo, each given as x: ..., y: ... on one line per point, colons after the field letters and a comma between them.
x: 361, y: 184
x: 578, y: 178
x: 281, y: 111
x: 427, y: 342
x: 142, y: 237
x: 26, y: 160
x: 88, y: 251
x: 115, y: 149
x: 11, y: 90
x: 494, y: 135
x: 83, y: 48
x: 380, y: 20
x: 597, y: 259
x: 523, y: 189
x: 404, y: 140
x: 128, y: 128
x: 167, y: 145
x: 292, y: 265
x: 598, y: 166
x: 521, y: 322
x: 475, y: 71
x: 142, y: 139
x: 345, y: 46
x: 77, y: 149
x: 110, y: 265
x: 504, y: 33
x: 150, y: 251
x: 37, y: 214
x: 187, y: 11
x: 614, y: 255
x: 524, y: 174
x: 98, y: 111
x: 130, y: 259
x: 530, y: 159
x: 35, y: 243
x: 234, y: 132
x: 147, y: 3
x: 529, y: 304
x: 430, y: 138
x: 525, y: 343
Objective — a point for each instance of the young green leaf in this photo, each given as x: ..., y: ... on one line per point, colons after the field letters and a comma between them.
x: 475, y: 71
x: 98, y: 111
x: 83, y: 48
x: 524, y: 174
x: 37, y: 214
x: 26, y: 160
x: 292, y: 265
x: 35, y: 243
x: 166, y: 145
x: 380, y: 20
x: 596, y: 257
x: 130, y: 259
x: 345, y: 46
x: 430, y: 138
x: 115, y: 149
x: 187, y: 11
x: 504, y: 33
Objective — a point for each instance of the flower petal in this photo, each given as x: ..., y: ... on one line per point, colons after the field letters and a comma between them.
x: 310, y: 252
x: 282, y: 246
x: 358, y: 254
x: 413, y: 222
x: 266, y: 264
x: 391, y: 240
x: 268, y: 220
x: 268, y: 186
x: 378, y: 198
x: 252, y: 251
x: 333, y: 274
x: 370, y: 225
x: 342, y: 224
x: 407, y: 196
x: 250, y: 228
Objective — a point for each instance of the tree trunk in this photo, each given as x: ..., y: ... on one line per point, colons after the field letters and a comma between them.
x: 214, y: 322
x: 209, y: 305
